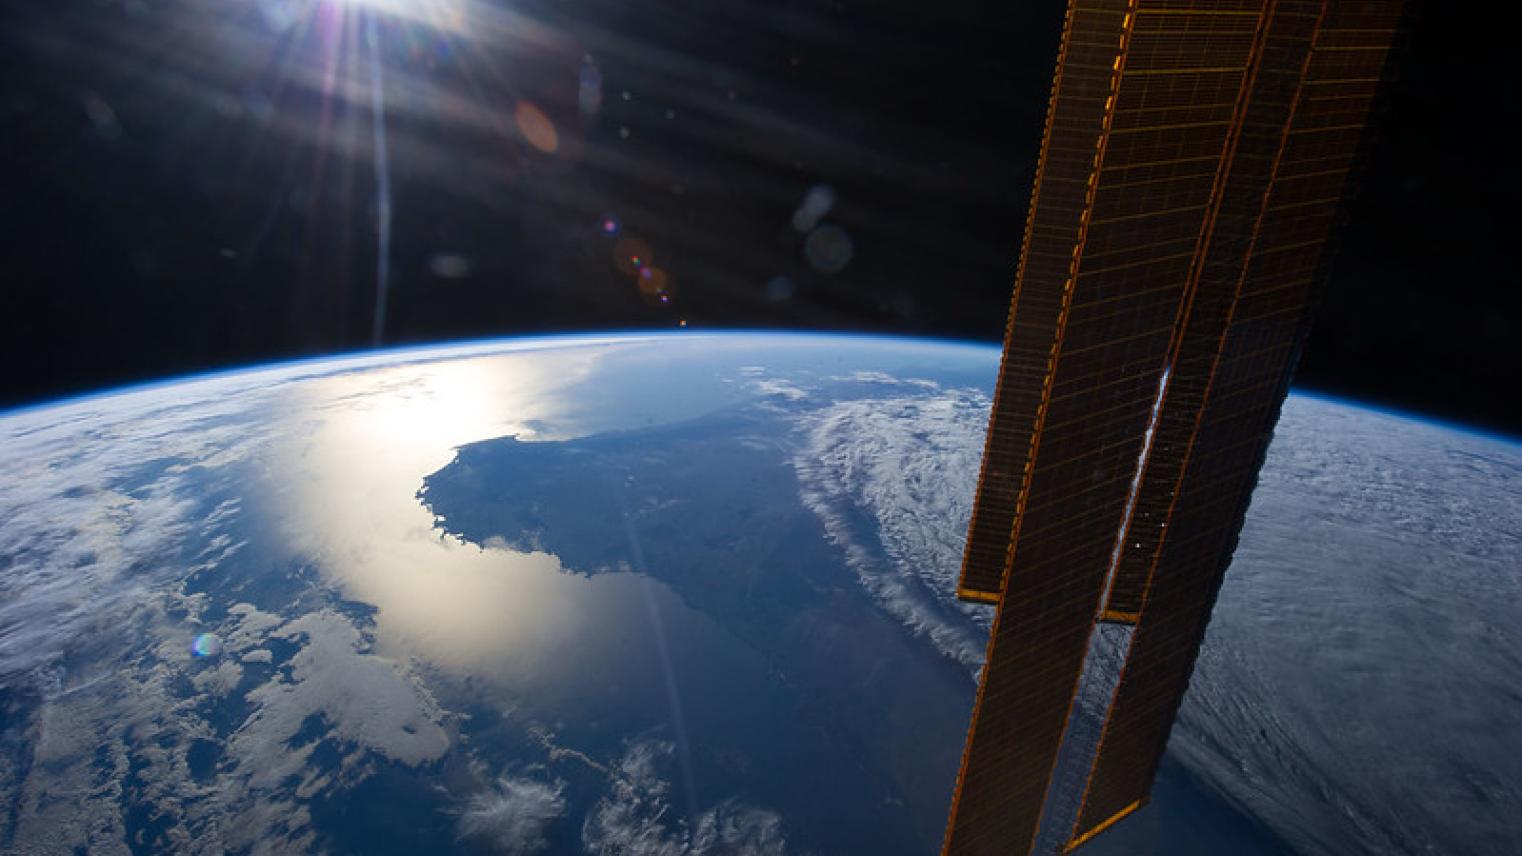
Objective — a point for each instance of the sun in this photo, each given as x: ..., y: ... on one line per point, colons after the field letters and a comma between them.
x: 443, y: 15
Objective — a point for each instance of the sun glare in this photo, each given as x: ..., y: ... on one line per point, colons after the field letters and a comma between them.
x: 445, y: 15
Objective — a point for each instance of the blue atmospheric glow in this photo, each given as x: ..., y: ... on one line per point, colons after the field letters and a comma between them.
x: 349, y: 360
x: 355, y: 359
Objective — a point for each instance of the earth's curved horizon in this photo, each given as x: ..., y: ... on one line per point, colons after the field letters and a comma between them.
x: 688, y: 593
x: 461, y: 348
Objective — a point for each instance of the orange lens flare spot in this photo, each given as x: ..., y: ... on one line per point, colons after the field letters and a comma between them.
x: 654, y: 286
x: 630, y: 255
x: 536, y: 127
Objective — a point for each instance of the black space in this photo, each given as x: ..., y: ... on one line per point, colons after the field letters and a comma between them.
x: 192, y: 185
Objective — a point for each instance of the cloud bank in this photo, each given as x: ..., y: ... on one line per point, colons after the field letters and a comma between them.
x: 892, y: 480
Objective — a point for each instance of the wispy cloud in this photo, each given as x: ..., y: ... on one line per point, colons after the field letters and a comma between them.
x: 511, y: 816
x: 635, y: 817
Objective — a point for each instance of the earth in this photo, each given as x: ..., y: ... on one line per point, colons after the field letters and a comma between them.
x: 689, y: 594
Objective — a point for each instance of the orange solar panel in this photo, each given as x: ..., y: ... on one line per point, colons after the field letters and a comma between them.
x: 1235, y: 359
x: 1191, y: 171
x: 1145, y: 201
x: 1267, y: 99
x: 1075, y: 118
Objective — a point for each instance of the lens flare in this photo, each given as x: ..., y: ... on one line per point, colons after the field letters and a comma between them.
x: 655, y: 286
x: 536, y: 127
x: 589, y: 90
x: 449, y: 266
x: 631, y: 254
x: 816, y: 203
x: 206, y: 645
x: 828, y: 249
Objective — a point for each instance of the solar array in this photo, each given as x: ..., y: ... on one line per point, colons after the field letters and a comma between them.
x: 1191, y: 173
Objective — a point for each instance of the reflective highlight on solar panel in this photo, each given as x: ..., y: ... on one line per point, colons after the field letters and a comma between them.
x: 1190, y: 176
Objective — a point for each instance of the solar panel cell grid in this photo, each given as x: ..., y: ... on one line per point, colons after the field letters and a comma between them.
x: 1235, y: 402
x: 1192, y: 168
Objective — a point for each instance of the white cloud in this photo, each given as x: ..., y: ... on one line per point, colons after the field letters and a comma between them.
x: 733, y: 827
x: 221, y: 680
x: 910, y: 464
x: 132, y: 713
x: 98, y: 498
x: 367, y: 700
x: 512, y: 815
x: 780, y: 389
x: 635, y: 818
x: 886, y: 379
x: 250, y: 627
